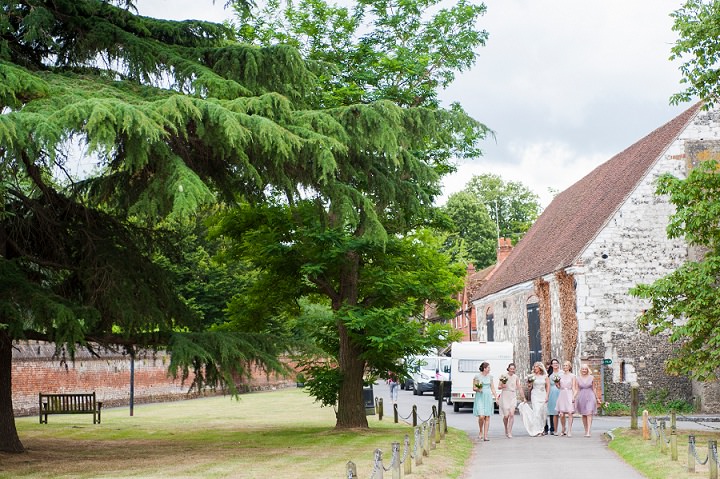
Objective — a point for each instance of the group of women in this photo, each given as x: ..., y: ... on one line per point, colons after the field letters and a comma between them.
x: 555, y: 396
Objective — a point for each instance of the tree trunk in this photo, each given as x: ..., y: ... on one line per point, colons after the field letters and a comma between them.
x: 9, y: 440
x: 351, y: 407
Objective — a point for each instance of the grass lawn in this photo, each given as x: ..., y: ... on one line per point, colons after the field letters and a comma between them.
x: 649, y: 461
x: 263, y: 435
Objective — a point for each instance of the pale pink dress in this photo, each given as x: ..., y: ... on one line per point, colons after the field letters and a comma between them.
x: 565, y: 401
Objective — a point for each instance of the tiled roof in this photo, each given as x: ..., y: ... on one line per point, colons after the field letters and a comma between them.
x: 577, y: 214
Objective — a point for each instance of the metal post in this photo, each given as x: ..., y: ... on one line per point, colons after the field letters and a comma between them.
x: 440, y: 395
x: 380, y: 409
x: 414, y: 415
x: 396, y: 415
x: 132, y: 381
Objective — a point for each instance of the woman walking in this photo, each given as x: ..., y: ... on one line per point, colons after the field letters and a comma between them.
x: 566, y: 399
x: 586, y: 401
x: 554, y: 376
x: 509, y: 386
x: 534, y: 418
x: 485, y: 397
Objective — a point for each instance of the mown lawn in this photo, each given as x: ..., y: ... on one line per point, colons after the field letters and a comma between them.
x: 646, y: 457
x: 261, y: 435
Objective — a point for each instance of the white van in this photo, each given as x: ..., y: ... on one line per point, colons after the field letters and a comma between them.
x: 466, y: 358
x: 423, y: 370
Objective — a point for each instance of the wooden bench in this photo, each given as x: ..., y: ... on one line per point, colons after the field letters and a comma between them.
x: 81, y: 403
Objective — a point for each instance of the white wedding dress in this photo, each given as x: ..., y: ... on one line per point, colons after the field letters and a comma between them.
x: 535, y: 414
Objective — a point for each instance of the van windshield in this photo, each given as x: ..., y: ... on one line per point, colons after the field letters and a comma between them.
x: 429, y: 363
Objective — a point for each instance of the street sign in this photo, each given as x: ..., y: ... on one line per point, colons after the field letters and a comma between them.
x: 607, y: 361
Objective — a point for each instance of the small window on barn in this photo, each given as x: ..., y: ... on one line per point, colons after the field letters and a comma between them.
x: 622, y: 371
x: 505, y: 322
x: 504, y: 304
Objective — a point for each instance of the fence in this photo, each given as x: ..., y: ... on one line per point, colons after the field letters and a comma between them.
x: 656, y: 428
x: 427, y: 435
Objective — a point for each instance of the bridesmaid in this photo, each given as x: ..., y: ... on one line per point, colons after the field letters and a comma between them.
x: 508, y: 397
x: 566, y: 398
x: 554, y: 374
x: 586, y: 401
x: 484, y: 399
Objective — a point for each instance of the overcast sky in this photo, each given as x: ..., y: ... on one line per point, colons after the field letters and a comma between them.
x: 565, y: 84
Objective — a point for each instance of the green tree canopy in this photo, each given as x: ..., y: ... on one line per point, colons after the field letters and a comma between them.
x: 686, y: 303
x: 380, y: 64
x: 511, y: 205
x: 698, y: 47
x: 474, y: 236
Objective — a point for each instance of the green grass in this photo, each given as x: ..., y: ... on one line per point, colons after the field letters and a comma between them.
x: 263, y: 435
x: 647, y: 458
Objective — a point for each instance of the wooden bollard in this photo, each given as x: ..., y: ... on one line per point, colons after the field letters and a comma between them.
x: 380, y: 409
x: 673, y: 420
x: 432, y: 432
x: 414, y: 415
x: 351, y: 470
x: 691, y: 456
x: 634, y: 405
x: 712, y: 459
x: 426, y: 440
x: 443, y: 425
x: 646, y: 426
x: 663, y: 445
x: 396, y: 415
x: 408, y: 462
x: 396, y: 471
x: 418, y: 446
x: 673, y: 444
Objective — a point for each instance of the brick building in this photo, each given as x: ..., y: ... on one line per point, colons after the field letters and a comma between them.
x: 563, y: 290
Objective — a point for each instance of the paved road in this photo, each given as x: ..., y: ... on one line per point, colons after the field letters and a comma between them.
x: 522, y: 454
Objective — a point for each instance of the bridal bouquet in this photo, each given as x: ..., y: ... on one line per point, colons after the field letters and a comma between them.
x: 504, y: 378
x: 531, y: 378
x: 556, y: 379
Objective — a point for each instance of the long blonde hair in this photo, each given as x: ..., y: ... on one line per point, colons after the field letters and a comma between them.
x: 541, y: 366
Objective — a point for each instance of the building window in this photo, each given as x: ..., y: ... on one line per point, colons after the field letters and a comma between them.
x: 622, y: 371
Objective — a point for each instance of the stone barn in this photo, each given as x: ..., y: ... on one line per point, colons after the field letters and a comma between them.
x: 563, y: 290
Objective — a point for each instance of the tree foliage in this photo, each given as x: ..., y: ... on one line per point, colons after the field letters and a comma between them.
x: 474, y: 236
x: 698, y: 46
x: 363, y: 253
x: 512, y: 206
x: 685, y: 304
x: 173, y: 115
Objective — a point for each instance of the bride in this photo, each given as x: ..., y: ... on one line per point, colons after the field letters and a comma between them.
x: 534, y: 416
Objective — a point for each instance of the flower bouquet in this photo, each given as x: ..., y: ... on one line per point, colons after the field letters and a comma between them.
x: 504, y: 378
x: 531, y: 378
x: 478, y: 386
x: 556, y: 378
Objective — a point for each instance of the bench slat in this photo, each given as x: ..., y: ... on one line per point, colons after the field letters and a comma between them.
x: 65, y: 403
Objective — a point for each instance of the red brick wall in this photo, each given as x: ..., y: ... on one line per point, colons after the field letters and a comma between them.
x: 36, y: 368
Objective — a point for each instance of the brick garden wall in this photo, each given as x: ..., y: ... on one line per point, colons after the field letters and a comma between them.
x: 36, y: 368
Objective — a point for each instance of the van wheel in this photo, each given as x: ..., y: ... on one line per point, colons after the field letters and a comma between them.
x: 456, y: 407
x: 415, y: 391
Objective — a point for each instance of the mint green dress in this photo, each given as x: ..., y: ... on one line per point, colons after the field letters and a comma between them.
x: 484, y: 404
